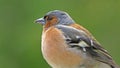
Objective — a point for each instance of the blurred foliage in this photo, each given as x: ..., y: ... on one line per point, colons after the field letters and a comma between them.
x: 20, y: 37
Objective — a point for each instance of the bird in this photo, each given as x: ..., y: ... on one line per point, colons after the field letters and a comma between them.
x: 66, y: 44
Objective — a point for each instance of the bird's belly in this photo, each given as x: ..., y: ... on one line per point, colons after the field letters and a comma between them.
x: 58, y: 57
x: 64, y: 59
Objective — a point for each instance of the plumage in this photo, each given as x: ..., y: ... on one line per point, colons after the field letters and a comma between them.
x: 80, y: 39
x: 66, y: 44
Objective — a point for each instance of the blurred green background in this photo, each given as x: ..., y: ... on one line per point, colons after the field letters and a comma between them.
x: 20, y: 37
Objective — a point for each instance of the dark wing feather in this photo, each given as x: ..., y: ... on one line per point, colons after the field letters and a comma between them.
x: 74, y: 36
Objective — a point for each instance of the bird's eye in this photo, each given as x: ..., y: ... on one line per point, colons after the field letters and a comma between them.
x: 45, y: 17
x: 48, y: 17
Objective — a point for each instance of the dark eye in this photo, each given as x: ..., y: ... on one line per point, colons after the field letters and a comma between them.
x: 48, y: 17
x: 45, y: 17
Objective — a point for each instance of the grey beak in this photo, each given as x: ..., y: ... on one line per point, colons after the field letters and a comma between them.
x: 40, y: 20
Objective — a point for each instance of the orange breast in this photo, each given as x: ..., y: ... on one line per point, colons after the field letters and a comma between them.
x: 56, y: 51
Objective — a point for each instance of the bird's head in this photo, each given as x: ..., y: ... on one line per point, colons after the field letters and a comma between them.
x: 54, y: 18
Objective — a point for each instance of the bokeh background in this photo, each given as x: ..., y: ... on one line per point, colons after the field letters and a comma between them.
x: 20, y: 37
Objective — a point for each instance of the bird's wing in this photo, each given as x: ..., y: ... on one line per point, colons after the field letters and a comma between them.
x: 80, y: 39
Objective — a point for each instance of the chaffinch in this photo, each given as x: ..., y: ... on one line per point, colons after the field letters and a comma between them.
x: 66, y: 44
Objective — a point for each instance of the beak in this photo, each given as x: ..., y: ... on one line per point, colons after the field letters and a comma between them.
x: 40, y: 21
